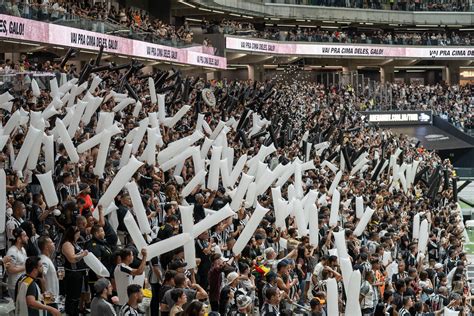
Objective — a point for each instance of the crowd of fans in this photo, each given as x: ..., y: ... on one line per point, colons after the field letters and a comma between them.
x: 453, y: 103
x: 136, y: 20
x: 318, y: 34
x: 280, y: 271
x: 435, y: 38
x: 398, y: 5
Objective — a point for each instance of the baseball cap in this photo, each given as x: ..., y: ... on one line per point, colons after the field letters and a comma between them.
x: 173, y: 265
x: 100, y: 285
x: 243, y: 301
x: 231, y: 277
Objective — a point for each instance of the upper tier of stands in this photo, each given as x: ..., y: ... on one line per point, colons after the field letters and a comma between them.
x: 125, y: 22
x: 398, y: 5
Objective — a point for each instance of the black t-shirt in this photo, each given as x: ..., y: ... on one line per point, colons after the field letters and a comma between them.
x: 32, y: 290
x: 205, y: 264
x: 198, y: 213
x: 224, y: 300
x: 161, y: 294
x: 103, y: 252
x: 121, y: 212
x: 35, y: 213
x: 166, y: 231
x: 110, y: 234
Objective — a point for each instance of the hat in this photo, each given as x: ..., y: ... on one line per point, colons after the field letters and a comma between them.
x: 173, y: 265
x: 438, y: 266
x: 243, y: 301
x: 100, y: 285
x: 231, y: 277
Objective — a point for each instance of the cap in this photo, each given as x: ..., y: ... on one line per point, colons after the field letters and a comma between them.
x: 100, y: 285
x: 231, y: 277
x: 438, y: 266
x: 173, y: 265
x: 243, y: 301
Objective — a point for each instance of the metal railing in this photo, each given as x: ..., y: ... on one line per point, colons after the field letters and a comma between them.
x: 103, y: 25
x: 424, y: 5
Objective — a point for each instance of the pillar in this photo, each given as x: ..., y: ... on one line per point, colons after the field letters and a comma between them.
x: 251, y: 72
x: 451, y: 74
x: 255, y: 72
x: 348, y: 75
x: 387, y: 74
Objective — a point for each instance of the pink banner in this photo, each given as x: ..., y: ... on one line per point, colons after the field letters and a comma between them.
x: 24, y: 29
x: 153, y: 51
x: 68, y: 36
x: 205, y: 60
x: 346, y: 50
x: 254, y: 45
x: 29, y: 30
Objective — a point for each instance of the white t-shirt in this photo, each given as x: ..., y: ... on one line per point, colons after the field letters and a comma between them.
x: 50, y: 275
x: 123, y: 278
x: 18, y: 258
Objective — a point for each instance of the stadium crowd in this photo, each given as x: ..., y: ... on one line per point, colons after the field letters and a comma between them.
x: 398, y: 5
x: 134, y: 19
x: 452, y: 103
x: 280, y: 270
x: 302, y: 34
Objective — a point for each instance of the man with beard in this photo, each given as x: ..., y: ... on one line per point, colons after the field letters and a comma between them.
x: 47, y: 248
x: 15, y: 259
x: 99, y: 304
x: 101, y: 249
x: 135, y: 297
x: 29, y: 298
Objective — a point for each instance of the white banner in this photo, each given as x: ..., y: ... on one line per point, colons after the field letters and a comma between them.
x: 347, y: 50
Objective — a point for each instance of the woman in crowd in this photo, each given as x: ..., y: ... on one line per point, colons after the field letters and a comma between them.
x: 75, y: 270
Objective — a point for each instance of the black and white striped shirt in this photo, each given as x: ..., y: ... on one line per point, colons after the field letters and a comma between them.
x: 270, y: 310
x: 128, y: 310
x: 403, y: 312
